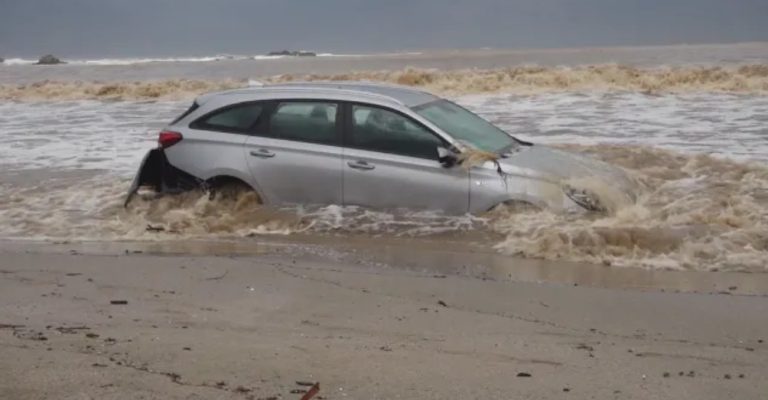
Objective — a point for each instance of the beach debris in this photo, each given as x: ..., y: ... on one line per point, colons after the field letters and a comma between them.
x: 219, y: 277
x: 91, y: 335
x: 187, y: 348
x: 118, y: 302
x: 311, y: 392
x: 565, y: 389
x: 727, y: 376
x: 583, y: 346
x: 741, y: 376
x: 523, y: 375
x: 442, y: 303
x: 97, y: 365
x: 666, y: 374
x: 29, y: 335
x: 385, y: 348
x: 10, y: 326
x: 242, y: 389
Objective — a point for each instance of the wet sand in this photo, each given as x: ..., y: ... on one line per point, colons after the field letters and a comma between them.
x: 251, y: 325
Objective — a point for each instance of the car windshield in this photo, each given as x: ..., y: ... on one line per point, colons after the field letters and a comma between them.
x: 465, y: 126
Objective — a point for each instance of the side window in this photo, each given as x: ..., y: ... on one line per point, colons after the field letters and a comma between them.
x: 237, y: 119
x: 377, y: 129
x: 305, y: 121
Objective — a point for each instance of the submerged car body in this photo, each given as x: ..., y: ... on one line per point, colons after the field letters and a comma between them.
x: 365, y: 144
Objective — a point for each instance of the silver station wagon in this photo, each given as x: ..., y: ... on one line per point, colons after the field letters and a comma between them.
x: 365, y: 144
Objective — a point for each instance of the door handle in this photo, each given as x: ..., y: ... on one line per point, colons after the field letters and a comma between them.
x: 359, y: 164
x: 263, y: 153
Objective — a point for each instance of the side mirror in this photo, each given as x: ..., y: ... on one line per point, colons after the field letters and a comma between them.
x: 446, y: 157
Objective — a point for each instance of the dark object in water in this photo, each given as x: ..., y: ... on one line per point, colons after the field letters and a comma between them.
x: 49, y: 59
x: 523, y: 375
x: 151, y: 228
x: 292, y: 53
x: 155, y: 171
x: 118, y: 302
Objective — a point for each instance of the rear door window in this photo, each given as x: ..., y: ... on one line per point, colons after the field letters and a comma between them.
x: 305, y: 121
x: 241, y: 118
x: 378, y: 129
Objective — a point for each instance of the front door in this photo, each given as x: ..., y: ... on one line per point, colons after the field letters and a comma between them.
x: 298, y: 159
x: 390, y: 161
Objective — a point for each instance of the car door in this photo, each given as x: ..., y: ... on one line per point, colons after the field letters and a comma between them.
x: 390, y: 161
x: 212, y: 145
x: 295, y: 156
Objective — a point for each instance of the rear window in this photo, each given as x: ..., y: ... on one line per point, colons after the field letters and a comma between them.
x: 237, y: 119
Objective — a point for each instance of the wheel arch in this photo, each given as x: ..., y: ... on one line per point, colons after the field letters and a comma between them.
x: 222, y: 177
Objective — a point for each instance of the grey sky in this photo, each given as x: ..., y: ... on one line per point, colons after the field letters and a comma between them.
x: 109, y: 28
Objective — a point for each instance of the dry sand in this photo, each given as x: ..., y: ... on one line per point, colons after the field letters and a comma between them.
x: 207, y: 327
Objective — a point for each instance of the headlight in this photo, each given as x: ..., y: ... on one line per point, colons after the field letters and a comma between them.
x: 584, y: 198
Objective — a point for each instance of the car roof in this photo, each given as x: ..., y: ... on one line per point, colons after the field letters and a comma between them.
x: 339, y: 90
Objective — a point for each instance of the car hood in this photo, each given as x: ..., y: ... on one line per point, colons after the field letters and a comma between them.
x: 569, y: 169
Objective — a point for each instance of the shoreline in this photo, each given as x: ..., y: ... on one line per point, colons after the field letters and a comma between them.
x: 431, y: 256
x: 119, y: 325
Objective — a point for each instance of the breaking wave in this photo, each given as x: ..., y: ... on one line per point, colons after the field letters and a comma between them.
x: 695, y: 212
x: 525, y: 79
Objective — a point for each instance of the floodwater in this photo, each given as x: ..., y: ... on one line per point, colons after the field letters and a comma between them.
x: 687, y: 123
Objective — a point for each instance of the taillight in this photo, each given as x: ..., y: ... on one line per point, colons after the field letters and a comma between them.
x: 168, y: 139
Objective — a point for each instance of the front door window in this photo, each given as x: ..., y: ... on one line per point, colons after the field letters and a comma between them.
x: 380, y: 130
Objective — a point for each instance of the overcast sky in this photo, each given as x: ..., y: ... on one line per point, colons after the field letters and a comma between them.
x: 109, y: 28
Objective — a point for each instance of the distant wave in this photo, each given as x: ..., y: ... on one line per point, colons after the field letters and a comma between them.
x: 606, y: 78
x: 18, y: 61
x: 220, y: 57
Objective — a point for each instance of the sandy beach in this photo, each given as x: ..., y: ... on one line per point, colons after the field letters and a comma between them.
x: 81, y: 324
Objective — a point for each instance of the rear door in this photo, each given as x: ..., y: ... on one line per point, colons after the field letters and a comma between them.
x: 390, y: 161
x: 212, y: 145
x: 294, y: 155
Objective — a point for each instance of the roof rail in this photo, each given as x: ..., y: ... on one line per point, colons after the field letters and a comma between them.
x: 378, y: 84
x: 298, y: 88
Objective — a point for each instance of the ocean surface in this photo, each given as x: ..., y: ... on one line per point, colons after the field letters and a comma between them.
x: 689, y: 123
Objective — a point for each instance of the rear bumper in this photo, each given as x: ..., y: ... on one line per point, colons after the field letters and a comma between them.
x: 156, y: 172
